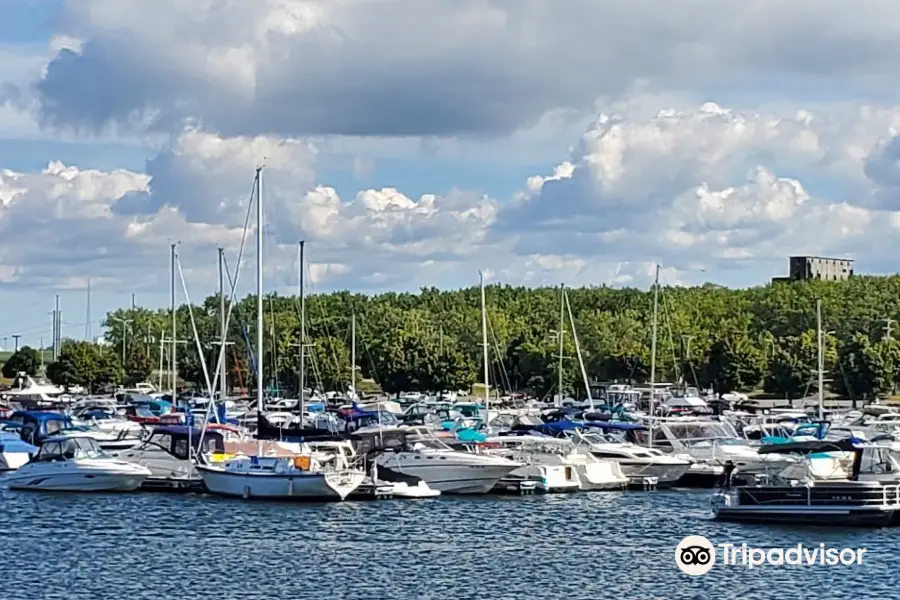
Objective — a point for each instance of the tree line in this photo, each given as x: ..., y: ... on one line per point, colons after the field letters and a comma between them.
x: 762, y: 338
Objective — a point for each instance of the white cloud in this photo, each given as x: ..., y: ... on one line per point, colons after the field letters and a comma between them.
x: 705, y: 189
x: 443, y: 67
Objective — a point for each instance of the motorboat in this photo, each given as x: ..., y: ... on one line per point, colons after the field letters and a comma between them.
x: 540, y: 458
x: 637, y: 462
x: 166, y: 454
x: 305, y: 475
x: 709, y: 446
x: 841, y: 500
x: 109, y: 421
x: 32, y: 394
x: 76, y: 463
x: 423, y: 455
x: 13, y: 451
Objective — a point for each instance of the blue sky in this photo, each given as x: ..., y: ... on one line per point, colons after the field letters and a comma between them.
x: 413, y: 144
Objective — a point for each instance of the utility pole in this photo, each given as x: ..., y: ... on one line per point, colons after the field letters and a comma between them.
x: 88, y: 334
x: 15, y: 338
x: 125, y: 324
x: 42, y: 354
x: 133, y: 305
x: 57, y: 325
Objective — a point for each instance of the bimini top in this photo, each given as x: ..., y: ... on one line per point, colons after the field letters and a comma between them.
x: 40, y: 415
x: 850, y: 444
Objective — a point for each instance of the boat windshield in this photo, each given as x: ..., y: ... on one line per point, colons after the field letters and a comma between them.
x: 423, y: 443
x: 70, y: 449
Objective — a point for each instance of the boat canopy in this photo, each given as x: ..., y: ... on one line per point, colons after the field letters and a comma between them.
x: 850, y: 444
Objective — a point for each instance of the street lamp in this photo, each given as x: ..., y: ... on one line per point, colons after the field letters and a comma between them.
x: 125, y: 324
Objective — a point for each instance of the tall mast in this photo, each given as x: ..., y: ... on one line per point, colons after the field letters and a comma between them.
x: 223, y: 388
x: 484, y: 342
x: 353, y: 354
x: 562, y: 331
x: 302, y: 292
x: 821, y: 360
x: 174, y: 330
x: 584, y: 377
x: 260, y: 402
x: 653, y: 350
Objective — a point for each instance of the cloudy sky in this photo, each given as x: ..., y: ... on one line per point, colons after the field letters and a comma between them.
x: 412, y: 143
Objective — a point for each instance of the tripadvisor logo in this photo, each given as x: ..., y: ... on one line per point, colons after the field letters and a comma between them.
x: 696, y: 555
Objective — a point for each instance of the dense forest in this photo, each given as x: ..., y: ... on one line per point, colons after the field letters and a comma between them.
x: 762, y: 338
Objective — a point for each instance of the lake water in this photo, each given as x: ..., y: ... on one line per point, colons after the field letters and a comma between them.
x: 590, y: 545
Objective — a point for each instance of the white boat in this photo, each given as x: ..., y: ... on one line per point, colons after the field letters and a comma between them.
x: 299, y: 478
x: 75, y: 463
x: 13, y: 451
x: 445, y: 469
x: 541, y: 464
x: 30, y: 392
x: 636, y: 461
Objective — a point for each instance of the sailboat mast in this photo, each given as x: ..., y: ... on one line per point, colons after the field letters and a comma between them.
x: 562, y: 331
x: 222, y: 333
x: 301, y: 292
x: 174, y: 354
x: 653, y: 350
x: 260, y: 402
x: 484, y: 342
x: 584, y: 377
x: 353, y: 355
x: 821, y: 360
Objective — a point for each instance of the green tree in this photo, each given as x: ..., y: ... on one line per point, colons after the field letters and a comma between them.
x: 138, y: 365
x: 86, y: 364
x: 26, y: 360
x: 863, y: 368
x: 734, y: 363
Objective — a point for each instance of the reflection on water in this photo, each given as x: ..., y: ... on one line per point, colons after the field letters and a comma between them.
x: 591, y: 546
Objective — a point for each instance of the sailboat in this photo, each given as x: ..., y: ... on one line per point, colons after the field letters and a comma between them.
x: 306, y: 475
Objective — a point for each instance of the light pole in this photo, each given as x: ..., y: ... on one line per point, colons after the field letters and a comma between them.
x: 125, y: 324
x: 16, y: 337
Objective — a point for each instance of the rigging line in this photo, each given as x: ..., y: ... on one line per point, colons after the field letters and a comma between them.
x: 332, y: 354
x: 666, y: 311
x: 231, y: 303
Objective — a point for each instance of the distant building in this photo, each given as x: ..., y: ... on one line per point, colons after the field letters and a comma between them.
x: 802, y: 268
x: 817, y: 267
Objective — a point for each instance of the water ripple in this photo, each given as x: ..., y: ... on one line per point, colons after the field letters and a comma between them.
x: 591, y: 546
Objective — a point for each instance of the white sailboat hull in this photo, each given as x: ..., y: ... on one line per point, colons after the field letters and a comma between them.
x: 665, y: 473
x: 329, y: 485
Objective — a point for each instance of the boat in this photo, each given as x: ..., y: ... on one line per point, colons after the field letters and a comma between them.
x: 443, y: 468
x: 840, y: 501
x: 301, y: 477
x: 76, y: 463
x: 165, y: 453
x: 542, y: 461
x: 13, y: 451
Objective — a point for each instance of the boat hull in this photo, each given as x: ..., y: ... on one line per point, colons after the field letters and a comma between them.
x: 76, y: 481
x: 328, y: 486
x: 468, y: 479
x: 836, y: 516
x: 667, y: 475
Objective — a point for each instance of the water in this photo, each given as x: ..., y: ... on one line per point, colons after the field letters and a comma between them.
x: 589, y: 545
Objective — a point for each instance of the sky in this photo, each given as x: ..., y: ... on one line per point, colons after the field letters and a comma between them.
x: 412, y: 144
